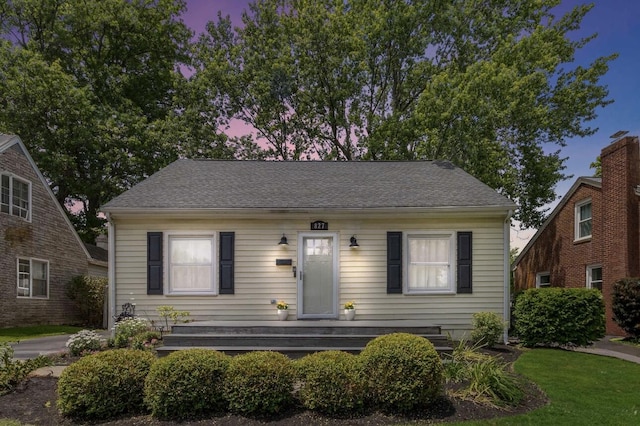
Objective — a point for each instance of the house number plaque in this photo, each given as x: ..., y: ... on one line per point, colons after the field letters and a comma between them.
x: 319, y: 225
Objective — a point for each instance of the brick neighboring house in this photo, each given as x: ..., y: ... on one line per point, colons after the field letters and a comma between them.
x: 39, y: 249
x: 591, y: 239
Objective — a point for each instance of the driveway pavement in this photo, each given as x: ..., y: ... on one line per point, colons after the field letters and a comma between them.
x: 31, y: 348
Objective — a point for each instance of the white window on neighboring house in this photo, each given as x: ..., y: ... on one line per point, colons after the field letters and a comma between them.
x: 430, y: 262
x: 594, y: 277
x: 191, y: 264
x: 543, y: 279
x: 583, y: 221
x: 33, y: 278
x: 15, y: 196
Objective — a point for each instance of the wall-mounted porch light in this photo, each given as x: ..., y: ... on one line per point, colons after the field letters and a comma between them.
x: 283, y: 241
x: 353, y: 242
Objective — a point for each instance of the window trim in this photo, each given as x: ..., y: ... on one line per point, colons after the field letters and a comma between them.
x: 540, y: 275
x: 590, y: 268
x: 31, y: 260
x: 169, y: 291
x: 451, y: 278
x: 578, y: 221
x: 13, y: 177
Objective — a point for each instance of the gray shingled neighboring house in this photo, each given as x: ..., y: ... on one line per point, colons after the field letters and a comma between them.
x: 39, y: 249
x: 419, y: 240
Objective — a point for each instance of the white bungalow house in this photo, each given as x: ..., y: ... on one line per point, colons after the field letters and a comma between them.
x: 226, y: 240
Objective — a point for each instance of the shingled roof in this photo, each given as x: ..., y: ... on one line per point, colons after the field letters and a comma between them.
x: 215, y: 184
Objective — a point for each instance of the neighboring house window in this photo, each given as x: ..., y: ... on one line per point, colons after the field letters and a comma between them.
x: 543, y: 279
x: 191, y: 264
x: 15, y: 196
x: 429, y: 263
x: 594, y: 277
x: 33, y: 278
x: 583, y: 220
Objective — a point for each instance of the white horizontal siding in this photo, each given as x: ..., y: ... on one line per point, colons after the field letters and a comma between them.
x: 362, y: 275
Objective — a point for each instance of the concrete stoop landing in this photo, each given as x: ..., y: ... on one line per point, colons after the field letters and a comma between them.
x: 293, y: 338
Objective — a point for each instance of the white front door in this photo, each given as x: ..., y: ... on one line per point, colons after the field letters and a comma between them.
x: 317, y: 275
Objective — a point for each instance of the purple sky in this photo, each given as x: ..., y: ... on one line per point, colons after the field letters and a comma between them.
x: 617, y: 23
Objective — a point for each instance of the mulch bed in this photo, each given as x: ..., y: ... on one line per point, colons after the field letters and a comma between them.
x: 34, y: 402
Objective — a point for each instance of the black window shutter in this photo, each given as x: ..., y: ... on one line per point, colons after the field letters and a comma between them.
x: 227, y: 242
x: 464, y: 262
x: 154, y: 263
x: 394, y: 262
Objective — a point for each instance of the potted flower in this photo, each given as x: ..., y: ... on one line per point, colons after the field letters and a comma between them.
x: 283, y: 311
x: 350, y: 310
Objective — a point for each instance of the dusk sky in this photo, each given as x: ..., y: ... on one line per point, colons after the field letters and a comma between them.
x: 617, y: 23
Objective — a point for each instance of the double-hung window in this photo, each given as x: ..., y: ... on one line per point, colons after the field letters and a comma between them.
x: 15, y: 196
x: 191, y: 264
x: 583, y: 220
x: 594, y: 277
x: 33, y: 278
x: 430, y: 260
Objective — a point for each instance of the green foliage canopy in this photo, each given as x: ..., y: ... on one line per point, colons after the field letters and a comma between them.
x: 490, y: 86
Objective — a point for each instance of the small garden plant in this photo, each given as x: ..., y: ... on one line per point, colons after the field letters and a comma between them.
x: 126, y: 329
x: 488, y: 328
x: 168, y: 312
x: 13, y: 372
x: 85, y: 342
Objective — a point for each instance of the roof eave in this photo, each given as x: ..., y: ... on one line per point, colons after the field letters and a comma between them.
x: 236, y: 212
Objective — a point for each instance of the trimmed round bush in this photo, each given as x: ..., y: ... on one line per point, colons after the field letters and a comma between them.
x: 626, y: 305
x: 559, y: 316
x: 404, y: 371
x: 186, y: 384
x: 146, y: 341
x: 259, y: 382
x: 488, y: 328
x: 332, y: 382
x: 104, y: 385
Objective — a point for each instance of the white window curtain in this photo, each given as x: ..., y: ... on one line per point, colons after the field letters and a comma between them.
x: 191, y: 263
x: 429, y: 263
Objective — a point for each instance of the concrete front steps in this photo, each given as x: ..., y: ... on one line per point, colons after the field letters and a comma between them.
x: 292, y: 338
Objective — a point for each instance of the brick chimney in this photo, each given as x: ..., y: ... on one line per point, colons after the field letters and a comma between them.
x: 620, y: 218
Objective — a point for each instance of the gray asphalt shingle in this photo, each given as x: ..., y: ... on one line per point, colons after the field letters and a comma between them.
x: 214, y: 184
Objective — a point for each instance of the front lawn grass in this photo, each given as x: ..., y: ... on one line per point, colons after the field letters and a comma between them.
x: 584, y: 389
x: 16, y: 334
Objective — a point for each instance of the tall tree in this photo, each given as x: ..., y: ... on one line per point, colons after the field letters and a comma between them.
x: 91, y: 88
x: 489, y: 85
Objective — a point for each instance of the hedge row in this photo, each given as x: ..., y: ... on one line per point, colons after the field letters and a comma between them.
x: 396, y: 372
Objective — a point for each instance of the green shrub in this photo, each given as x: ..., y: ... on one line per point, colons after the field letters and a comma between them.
x: 332, y: 382
x: 187, y: 384
x: 259, y: 382
x: 88, y: 294
x: 13, y: 372
x: 486, y: 379
x: 85, y: 342
x: 146, y: 341
x: 488, y: 328
x: 104, y: 385
x: 560, y: 316
x: 404, y: 371
x: 126, y: 329
x: 169, y: 312
x: 626, y: 305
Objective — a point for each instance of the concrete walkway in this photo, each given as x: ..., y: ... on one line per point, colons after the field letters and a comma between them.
x: 606, y: 347
x: 56, y: 344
